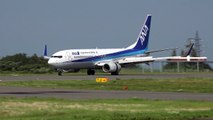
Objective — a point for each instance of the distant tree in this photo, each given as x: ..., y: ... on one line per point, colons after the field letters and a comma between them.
x: 22, y: 63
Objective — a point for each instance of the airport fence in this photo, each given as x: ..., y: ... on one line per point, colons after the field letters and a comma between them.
x: 176, y: 67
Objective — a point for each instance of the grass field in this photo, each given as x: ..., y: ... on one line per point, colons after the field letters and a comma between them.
x: 113, y: 109
x: 109, y: 109
x: 196, y: 85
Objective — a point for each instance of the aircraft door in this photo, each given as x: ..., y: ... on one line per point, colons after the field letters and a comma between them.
x: 69, y: 56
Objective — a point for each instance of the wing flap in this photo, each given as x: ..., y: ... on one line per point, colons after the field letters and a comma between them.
x: 136, y: 60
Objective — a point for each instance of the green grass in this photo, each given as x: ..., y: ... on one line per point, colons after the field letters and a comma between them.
x: 124, y: 71
x: 196, y: 85
x: 112, y: 109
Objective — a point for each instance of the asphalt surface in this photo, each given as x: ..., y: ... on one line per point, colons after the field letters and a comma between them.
x: 15, y: 77
x: 100, y: 94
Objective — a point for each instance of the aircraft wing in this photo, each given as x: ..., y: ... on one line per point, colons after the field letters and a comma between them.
x: 128, y: 60
x: 131, y: 60
x: 135, y: 60
x: 142, y: 59
x: 148, y: 59
x: 182, y: 59
x: 160, y: 50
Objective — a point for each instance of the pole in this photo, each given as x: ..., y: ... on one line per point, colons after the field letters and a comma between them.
x: 178, y: 67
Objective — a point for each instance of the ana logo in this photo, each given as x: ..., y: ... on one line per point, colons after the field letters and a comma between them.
x: 75, y: 53
x: 143, y: 33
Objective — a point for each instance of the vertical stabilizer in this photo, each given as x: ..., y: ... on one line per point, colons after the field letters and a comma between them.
x: 189, y: 51
x: 143, y: 37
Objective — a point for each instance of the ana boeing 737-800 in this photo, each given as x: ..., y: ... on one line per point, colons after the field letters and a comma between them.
x: 110, y: 60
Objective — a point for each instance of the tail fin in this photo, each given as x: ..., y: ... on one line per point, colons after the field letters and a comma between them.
x: 143, y: 37
x: 189, y: 51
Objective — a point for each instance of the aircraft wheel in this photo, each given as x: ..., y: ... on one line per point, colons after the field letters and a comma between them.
x: 59, y: 73
x: 90, y: 72
x: 114, y: 73
x: 93, y: 72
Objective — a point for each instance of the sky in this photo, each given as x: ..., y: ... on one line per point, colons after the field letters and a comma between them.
x: 27, y: 25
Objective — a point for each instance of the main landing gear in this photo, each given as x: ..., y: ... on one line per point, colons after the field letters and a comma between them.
x: 90, y: 72
x: 115, y: 73
x: 59, y: 73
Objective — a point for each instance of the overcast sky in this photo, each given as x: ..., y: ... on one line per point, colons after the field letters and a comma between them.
x: 27, y: 25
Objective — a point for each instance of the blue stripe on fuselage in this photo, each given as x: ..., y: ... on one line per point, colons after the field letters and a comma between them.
x: 129, y: 52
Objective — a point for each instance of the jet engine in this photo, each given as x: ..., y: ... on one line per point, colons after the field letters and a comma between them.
x: 111, y: 67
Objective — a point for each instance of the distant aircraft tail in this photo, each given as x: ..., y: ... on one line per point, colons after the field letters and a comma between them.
x: 189, y: 51
x: 143, y: 37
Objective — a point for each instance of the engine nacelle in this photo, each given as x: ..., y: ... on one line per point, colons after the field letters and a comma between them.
x: 111, y: 67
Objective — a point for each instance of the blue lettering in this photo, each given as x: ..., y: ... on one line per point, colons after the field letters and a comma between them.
x: 75, y: 53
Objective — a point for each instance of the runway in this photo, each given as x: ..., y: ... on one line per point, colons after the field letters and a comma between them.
x: 15, y: 77
x: 100, y: 94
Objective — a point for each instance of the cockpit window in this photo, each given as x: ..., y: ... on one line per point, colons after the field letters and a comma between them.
x: 56, y: 56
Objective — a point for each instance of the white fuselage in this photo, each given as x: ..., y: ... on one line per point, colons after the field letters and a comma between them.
x: 75, y: 58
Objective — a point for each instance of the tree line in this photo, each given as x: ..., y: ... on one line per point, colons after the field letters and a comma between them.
x: 25, y: 64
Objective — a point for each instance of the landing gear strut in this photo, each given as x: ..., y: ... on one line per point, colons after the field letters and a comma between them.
x: 115, y: 73
x: 59, y: 73
x: 90, y: 72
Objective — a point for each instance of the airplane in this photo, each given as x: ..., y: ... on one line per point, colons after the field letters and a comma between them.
x: 110, y: 60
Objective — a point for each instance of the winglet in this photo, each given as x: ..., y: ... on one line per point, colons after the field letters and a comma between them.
x: 45, y: 52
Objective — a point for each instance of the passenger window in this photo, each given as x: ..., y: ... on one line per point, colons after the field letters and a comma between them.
x: 56, y: 56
